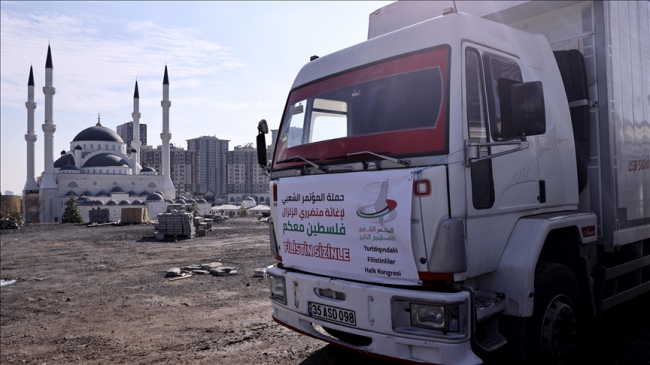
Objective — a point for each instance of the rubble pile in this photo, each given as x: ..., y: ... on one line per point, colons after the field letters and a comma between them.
x: 99, y: 215
x: 214, y: 268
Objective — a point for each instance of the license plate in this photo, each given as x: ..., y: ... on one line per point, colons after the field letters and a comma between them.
x: 332, y: 314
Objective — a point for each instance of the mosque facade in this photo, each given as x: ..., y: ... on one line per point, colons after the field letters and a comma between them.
x: 98, y: 169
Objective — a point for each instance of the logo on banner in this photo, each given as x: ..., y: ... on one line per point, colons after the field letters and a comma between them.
x: 376, y: 202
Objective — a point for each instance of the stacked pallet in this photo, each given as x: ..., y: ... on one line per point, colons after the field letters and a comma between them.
x: 135, y: 215
x: 176, y: 224
x: 9, y: 223
x: 203, y: 225
x: 98, y: 215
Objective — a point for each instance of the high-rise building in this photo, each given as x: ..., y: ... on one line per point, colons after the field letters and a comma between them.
x: 245, y: 176
x: 209, y: 166
x: 126, y: 132
x: 181, y: 166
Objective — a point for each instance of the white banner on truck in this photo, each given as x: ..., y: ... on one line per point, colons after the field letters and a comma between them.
x: 355, y: 226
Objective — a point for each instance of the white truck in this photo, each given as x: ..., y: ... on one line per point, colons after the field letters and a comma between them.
x: 475, y: 176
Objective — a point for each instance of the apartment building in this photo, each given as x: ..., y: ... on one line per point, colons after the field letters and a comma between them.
x: 209, y: 166
x: 126, y: 132
x: 181, y: 166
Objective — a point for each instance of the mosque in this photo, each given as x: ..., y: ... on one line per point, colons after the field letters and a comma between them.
x: 98, y: 169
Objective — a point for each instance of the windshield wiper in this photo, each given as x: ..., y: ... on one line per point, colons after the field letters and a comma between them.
x: 298, y: 158
x: 392, y: 159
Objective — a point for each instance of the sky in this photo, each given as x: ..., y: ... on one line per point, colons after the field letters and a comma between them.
x: 230, y: 64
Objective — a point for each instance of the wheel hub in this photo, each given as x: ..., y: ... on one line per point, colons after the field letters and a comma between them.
x: 559, y: 330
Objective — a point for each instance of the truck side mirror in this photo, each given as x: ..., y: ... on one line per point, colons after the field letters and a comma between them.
x: 262, y: 129
x: 527, y: 108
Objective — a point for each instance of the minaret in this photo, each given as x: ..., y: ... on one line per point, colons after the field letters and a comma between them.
x: 166, y: 136
x: 30, y: 137
x: 49, y: 187
x: 135, y: 143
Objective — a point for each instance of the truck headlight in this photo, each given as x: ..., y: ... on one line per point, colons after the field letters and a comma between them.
x: 278, y: 289
x: 435, y: 317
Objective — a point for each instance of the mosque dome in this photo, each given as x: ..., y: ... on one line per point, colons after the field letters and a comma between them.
x: 117, y: 189
x: 125, y: 202
x: 133, y: 193
x: 202, y: 201
x: 64, y: 160
x: 98, y: 133
x: 106, y: 160
x: 136, y: 202
x: 70, y: 193
x: 87, y: 193
x: 69, y: 168
x: 102, y: 194
x: 111, y: 202
x: 147, y: 169
x: 155, y: 197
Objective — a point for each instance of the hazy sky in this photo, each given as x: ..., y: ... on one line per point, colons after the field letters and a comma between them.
x: 230, y: 64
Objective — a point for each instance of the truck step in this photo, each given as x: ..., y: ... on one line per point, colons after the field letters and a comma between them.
x: 487, y: 335
x: 488, y: 304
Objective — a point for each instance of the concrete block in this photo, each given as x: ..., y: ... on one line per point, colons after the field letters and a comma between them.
x: 192, y: 267
x: 173, y: 272
x: 218, y: 272
x: 211, y: 266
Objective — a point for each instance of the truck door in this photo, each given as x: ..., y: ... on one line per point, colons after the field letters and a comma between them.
x: 502, y: 189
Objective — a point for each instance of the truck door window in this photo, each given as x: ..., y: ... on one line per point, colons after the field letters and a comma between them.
x: 297, y: 121
x: 481, y: 171
x: 329, y: 120
x: 497, y: 68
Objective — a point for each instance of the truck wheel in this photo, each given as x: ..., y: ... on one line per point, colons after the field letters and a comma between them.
x: 553, y: 331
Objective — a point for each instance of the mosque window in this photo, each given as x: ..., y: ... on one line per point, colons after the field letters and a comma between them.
x: 107, y: 146
x: 93, y: 171
x: 91, y: 146
x: 84, y: 146
x: 113, y: 147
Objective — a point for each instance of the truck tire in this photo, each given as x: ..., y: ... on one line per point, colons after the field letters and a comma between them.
x: 552, y: 334
x: 556, y: 324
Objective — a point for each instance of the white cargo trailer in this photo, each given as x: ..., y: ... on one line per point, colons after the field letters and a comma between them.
x: 473, y: 177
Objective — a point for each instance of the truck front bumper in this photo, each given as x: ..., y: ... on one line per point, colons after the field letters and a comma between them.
x: 376, y: 319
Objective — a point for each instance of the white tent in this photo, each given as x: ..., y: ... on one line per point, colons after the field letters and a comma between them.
x: 260, y: 208
x: 225, y: 208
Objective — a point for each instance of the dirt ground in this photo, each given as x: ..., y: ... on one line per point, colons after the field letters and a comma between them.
x: 97, y: 295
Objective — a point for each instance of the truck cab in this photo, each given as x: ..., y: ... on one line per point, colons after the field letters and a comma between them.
x: 417, y: 180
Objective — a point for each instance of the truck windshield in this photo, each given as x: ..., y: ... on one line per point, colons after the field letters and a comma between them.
x: 394, y: 107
